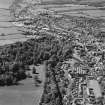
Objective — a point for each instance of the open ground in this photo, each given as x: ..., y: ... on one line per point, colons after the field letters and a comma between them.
x: 25, y: 93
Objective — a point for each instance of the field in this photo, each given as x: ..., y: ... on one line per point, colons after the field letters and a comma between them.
x: 77, y: 10
x: 23, y: 94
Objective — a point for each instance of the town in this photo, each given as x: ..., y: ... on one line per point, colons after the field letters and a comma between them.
x: 83, y: 73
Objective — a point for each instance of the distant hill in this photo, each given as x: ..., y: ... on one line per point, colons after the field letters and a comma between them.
x: 21, y: 5
x: 96, y: 3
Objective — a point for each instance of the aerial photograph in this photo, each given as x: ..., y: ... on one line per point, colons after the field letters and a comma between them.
x: 52, y: 52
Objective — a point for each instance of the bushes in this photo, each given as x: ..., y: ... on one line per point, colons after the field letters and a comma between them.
x: 11, y: 79
x: 6, y: 79
x: 11, y: 74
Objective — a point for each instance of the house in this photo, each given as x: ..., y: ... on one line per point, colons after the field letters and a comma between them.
x: 79, y: 71
x: 75, y: 89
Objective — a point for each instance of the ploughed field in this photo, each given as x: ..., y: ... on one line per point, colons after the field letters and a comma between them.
x: 26, y: 93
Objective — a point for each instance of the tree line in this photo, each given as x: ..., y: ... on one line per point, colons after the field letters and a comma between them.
x: 15, y: 58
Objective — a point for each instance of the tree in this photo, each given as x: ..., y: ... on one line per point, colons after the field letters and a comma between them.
x: 34, y: 70
x: 2, y: 34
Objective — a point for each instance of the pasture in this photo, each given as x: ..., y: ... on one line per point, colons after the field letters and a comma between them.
x: 26, y: 93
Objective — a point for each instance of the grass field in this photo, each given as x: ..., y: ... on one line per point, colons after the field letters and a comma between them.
x: 25, y: 93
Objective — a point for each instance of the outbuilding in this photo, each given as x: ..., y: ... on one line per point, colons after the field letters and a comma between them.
x: 94, y: 85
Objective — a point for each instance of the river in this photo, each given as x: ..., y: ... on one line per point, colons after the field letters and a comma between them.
x: 11, y: 32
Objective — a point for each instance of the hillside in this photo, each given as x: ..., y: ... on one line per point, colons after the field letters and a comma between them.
x: 70, y: 39
x: 27, y: 9
x: 74, y: 50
